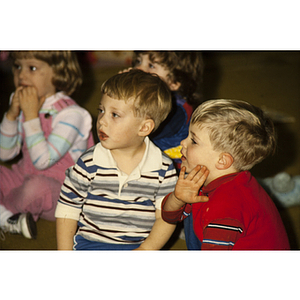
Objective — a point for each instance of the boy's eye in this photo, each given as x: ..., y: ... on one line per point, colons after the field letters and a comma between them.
x: 115, y: 115
x: 101, y: 111
x: 193, y: 141
x: 32, y: 68
x: 137, y: 61
x: 151, y: 66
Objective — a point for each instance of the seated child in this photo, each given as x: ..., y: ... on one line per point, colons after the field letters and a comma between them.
x: 50, y: 130
x: 183, y: 72
x: 226, y: 139
x: 111, y: 199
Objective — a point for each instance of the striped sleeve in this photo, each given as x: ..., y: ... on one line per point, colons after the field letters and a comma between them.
x: 75, y: 187
x: 168, y: 179
x: 46, y: 152
x: 10, y: 139
x: 221, y: 234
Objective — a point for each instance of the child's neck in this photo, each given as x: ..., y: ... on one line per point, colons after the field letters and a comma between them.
x: 214, y: 175
x: 128, y: 159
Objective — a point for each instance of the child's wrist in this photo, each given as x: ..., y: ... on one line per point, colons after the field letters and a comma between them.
x: 174, y: 203
x: 178, y: 201
x: 11, y: 116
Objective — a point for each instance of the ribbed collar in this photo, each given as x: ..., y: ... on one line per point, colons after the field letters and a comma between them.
x: 224, y: 179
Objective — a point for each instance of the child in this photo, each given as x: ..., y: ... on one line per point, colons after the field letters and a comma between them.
x: 229, y: 137
x: 50, y: 130
x: 182, y: 71
x: 114, y: 192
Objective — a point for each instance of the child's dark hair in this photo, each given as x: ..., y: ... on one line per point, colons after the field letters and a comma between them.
x: 185, y: 67
x: 67, y: 74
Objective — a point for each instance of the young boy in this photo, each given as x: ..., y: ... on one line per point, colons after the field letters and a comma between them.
x: 229, y: 137
x: 114, y: 192
x: 183, y: 73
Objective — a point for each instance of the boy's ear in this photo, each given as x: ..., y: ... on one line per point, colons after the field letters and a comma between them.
x: 174, y: 86
x: 225, y: 161
x: 146, y: 127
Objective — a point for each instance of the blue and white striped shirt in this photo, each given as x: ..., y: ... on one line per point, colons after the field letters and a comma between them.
x: 113, y: 207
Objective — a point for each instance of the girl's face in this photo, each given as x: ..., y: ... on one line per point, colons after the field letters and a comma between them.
x: 117, y: 127
x: 36, y: 73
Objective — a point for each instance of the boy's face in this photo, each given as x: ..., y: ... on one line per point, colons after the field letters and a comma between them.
x: 197, y: 150
x: 144, y: 63
x: 117, y: 127
x: 34, y: 72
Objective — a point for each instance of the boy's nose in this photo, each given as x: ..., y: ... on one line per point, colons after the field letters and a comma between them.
x: 101, y: 120
x: 183, y: 143
x: 142, y: 68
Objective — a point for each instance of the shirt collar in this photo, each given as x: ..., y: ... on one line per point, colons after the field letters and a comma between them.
x: 152, y: 159
x: 221, y: 180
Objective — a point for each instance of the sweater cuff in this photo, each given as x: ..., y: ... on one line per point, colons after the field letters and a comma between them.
x: 171, y: 216
x: 32, y: 127
x: 8, y: 126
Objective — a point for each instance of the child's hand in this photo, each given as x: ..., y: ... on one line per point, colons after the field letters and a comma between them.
x: 187, y: 189
x: 14, y: 109
x: 125, y: 70
x: 30, y: 103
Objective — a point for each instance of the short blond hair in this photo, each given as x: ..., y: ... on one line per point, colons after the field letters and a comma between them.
x: 151, y: 96
x: 238, y: 128
x: 67, y: 73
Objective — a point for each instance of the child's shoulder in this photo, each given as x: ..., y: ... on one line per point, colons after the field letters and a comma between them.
x: 62, y: 103
x: 87, y: 157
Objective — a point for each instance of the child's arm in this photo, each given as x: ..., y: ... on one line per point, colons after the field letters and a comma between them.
x: 187, y: 189
x: 69, y: 206
x: 67, y: 126
x: 159, y: 235
x: 65, y: 231
x: 10, y: 140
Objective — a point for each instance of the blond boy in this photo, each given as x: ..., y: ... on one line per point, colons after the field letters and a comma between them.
x: 111, y: 198
x: 226, y: 139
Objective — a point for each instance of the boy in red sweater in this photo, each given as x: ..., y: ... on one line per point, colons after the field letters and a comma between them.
x: 231, y: 211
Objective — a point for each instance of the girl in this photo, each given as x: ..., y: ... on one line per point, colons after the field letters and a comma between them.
x: 50, y: 130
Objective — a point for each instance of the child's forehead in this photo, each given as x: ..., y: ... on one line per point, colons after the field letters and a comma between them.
x: 152, y: 56
x: 199, y: 128
x: 29, y: 60
x: 108, y: 99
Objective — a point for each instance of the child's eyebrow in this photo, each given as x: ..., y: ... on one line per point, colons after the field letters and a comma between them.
x: 194, y: 136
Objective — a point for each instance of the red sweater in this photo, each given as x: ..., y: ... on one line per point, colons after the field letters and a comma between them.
x: 239, y: 216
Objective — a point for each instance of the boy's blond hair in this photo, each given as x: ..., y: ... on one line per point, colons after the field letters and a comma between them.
x: 185, y: 67
x: 67, y: 74
x: 238, y: 128
x: 151, y: 96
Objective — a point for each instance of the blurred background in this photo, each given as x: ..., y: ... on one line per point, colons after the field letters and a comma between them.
x: 267, y: 79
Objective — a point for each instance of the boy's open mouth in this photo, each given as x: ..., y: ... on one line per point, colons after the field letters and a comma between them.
x: 102, y: 136
x: 182, y: 156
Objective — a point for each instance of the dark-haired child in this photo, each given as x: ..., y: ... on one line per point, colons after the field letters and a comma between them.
x: 183, y: 72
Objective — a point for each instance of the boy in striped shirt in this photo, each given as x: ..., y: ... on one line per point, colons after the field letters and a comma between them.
x: 231, y: 211
x: 111, y: 198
